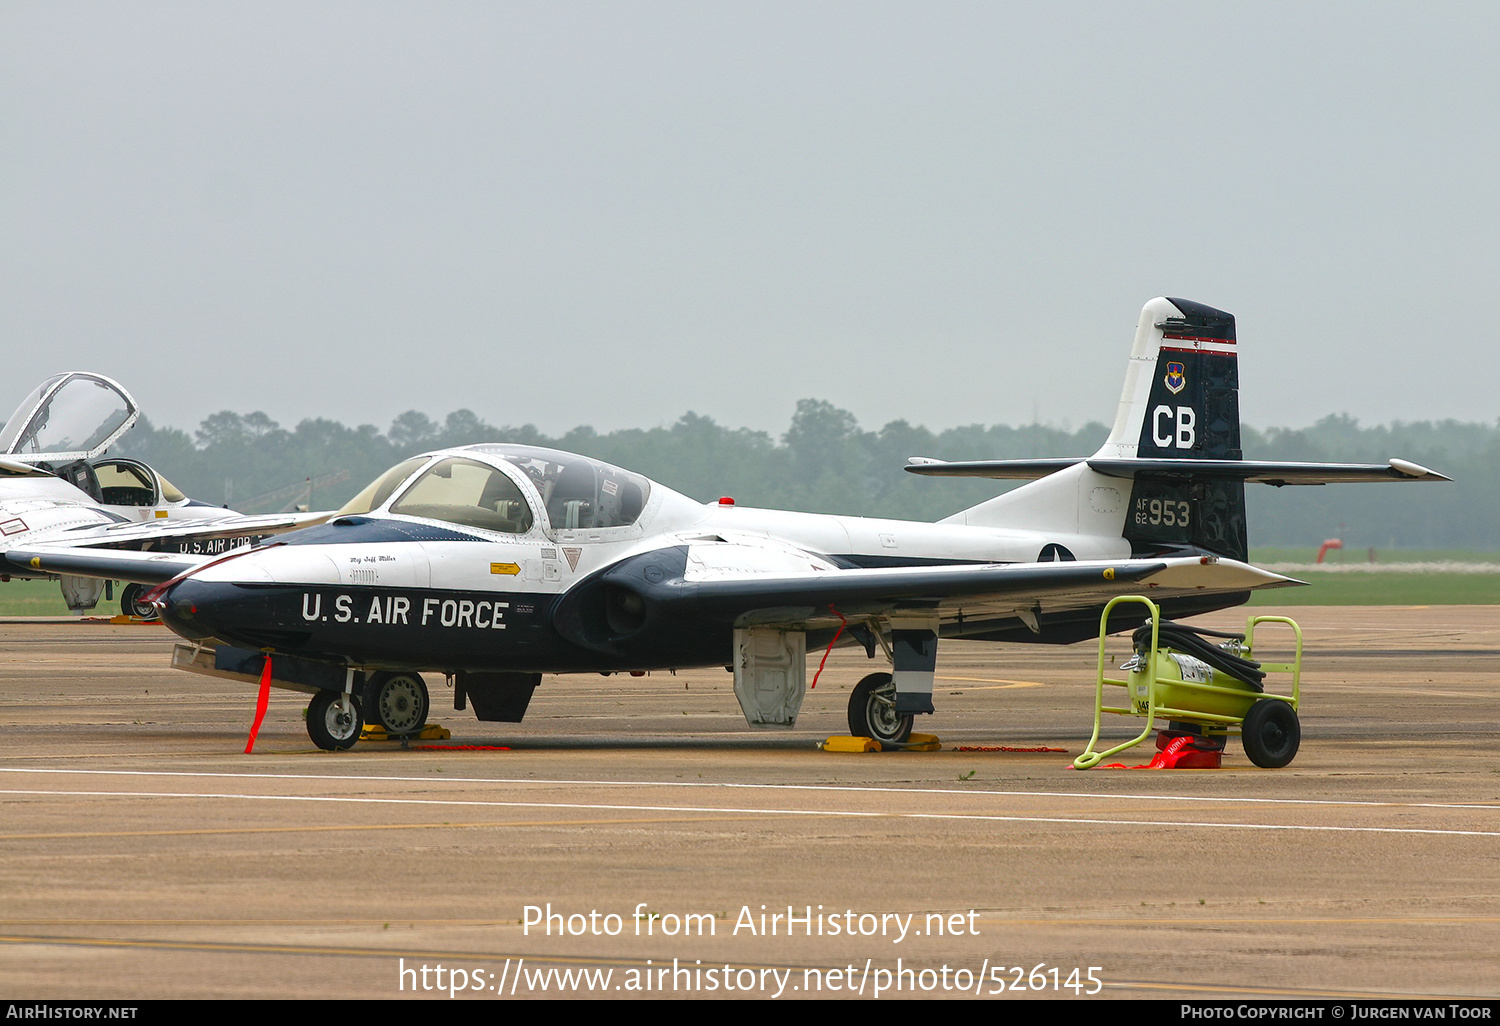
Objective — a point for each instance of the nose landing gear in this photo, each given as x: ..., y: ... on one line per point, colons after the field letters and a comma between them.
x: 334, y: 721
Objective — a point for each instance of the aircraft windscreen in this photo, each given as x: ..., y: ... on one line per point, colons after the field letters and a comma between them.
x: 578, y: 492
x: 79, y: 417
x: 124, y: 484
x: 169, y: 491
x: 374, y: 494
x: 468, y: 493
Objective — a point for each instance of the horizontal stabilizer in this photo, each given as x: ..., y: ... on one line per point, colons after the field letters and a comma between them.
x: 1260, y: 471
x: 1016, y: 470
x: 1270, y: 472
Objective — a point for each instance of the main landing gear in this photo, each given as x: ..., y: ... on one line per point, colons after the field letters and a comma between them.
x: 872, y: 710
x: 397, y: 701
x: 131, y: 604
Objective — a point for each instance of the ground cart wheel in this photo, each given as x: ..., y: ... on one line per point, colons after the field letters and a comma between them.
x: 872, y: 710
x: 397, y: 701
x: 1271, y: 733
x: 332, y: 723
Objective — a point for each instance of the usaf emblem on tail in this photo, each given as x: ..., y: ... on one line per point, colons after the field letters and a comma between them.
x: 1175, y: 379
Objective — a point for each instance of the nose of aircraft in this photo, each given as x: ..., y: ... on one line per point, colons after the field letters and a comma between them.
x: 245, y: 610
x: 241, y: 614
x: 224, y: 599
x: 194, y: 609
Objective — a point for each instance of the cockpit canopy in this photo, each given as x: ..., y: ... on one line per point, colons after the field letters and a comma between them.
x: 124, y: 482
x: 72, y: 416
x: 577, y: 492
x: 574, y: 492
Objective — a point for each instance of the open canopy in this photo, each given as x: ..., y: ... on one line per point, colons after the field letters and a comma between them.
x: 71, y: 416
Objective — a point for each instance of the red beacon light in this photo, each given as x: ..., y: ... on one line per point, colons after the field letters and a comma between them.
x: 725, y: 500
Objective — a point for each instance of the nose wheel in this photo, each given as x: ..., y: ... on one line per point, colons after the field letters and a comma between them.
x: 334, y: 721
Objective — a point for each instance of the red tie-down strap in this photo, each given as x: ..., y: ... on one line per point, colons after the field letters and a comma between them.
x: 842, y: 624
x: 260, y: 704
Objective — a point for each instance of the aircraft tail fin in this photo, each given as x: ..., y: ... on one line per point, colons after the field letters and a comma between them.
x: 1181, y: 402
x: 1176, y: 438
x: 1179, y: 407
x: 1181, y: 394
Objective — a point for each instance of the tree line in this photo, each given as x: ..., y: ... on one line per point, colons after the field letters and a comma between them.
x: 825, y: 462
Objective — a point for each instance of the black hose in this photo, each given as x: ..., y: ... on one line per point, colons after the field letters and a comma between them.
x: 1189, y: 640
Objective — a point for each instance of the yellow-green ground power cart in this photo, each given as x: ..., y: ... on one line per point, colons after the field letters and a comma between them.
x: 1205, y: 686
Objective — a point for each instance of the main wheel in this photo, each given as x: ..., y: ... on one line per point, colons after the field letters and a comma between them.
x: 131, y: 604
x: 872, y: 710
x: 1271, y: 733
x: 332, y: 722
x: 397, y: 701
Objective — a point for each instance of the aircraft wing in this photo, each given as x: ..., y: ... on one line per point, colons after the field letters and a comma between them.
x: 109, y: 564
x: 118, y: 552
x: 237, y: 526
x: 632, y: 597
x: 996, y: 588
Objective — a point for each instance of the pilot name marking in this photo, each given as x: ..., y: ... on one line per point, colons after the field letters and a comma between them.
x: 406, y: 611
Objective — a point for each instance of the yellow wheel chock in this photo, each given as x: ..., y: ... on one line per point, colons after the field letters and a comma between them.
x: 913, y: 743
x: 429, y: 732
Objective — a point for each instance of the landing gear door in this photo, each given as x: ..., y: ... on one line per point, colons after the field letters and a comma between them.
x: 770, y: 674
x: 72, y: 416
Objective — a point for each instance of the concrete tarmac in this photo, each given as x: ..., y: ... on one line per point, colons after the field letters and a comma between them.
x: 143, y: 855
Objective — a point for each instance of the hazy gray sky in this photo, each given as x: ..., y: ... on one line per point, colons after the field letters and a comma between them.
x: 611, y: 213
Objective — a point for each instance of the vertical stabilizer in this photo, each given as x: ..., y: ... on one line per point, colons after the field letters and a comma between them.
x: 1181, y: 401
x: 1181, y: 394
